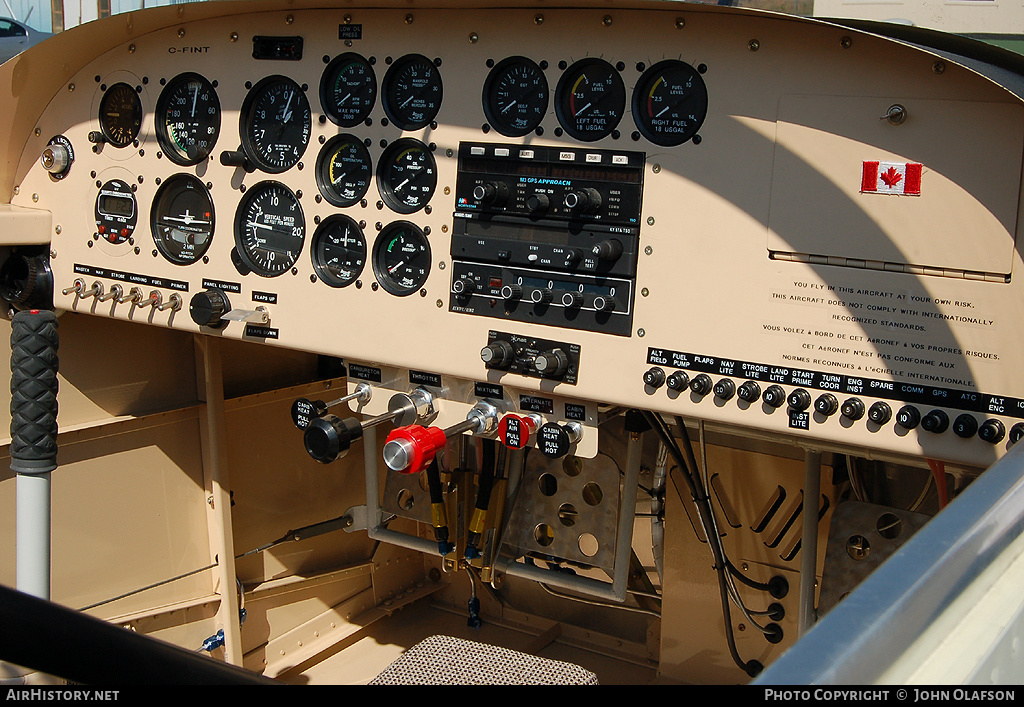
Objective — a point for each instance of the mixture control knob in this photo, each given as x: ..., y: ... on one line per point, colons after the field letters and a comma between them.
x: 491, y: 193
x: 538, y: 203
x: 725, y: 389
x: 207, y: 307
x: 542, y: 295
x: 584, y: 201
x: 935, y: 421
x: 608, y: 250
x: 799, y: 400
x: 572, y: 300
x: 749, y: 392
x: 1016, y: 432
x: 702, y: 384
x: 992, y: 431
x: 826, y: 404
x: 554, y: 440
x: 654, y: 377
x: 678, y: 381
x: 852, y: 409
x: 774, y: 396
x: 551, y: 364
x: 908, y: 417
x: 511, y: 293
x: 329, y: 437
x: 965, y: 426
x: 498, y: 354
x: 880, y: 413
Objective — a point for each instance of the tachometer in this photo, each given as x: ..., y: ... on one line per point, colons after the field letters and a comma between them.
x: 275, y: 124
x: 670, y: 103
x: 401, y: 258
x: 411, y: 92
x: 188, y: 119
x: 182, y: 219
x: 406, y: 175
x: 515, y: 96
x: 338, y: 249
x: 590, y: 99
x: 269, y: 229
x: 120, y: 115
x: 348, y: 89
x: 343, y: 170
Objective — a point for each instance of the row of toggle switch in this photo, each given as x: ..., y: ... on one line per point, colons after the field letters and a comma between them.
x: 117, y: 293
x: 799, y: 400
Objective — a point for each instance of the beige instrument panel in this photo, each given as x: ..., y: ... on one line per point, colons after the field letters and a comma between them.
x: 842, y: 224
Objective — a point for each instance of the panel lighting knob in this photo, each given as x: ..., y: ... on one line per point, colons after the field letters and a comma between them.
x: 725, y: 389
x: 852, y: 409
x: 965, y: 426
x: 749, y: 392
x: 774, y: 396
x: 551, y: 364
x: 826, y: 404
x: 799, y: 400
x: 678, y: 381
x: 935, y: 421
x: 654, y: 377
x: 498, y: 354
x: 880, y: 413
x: 908, y: 417
x: 207, y: 307
x: 702, y: 384
x: 992, y: 431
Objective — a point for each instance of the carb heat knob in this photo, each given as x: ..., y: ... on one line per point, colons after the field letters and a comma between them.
x: 551, y: 364
x: 207, y: 307
x: 498, y: 354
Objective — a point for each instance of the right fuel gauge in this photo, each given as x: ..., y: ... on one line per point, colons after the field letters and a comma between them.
x: 670, y: 102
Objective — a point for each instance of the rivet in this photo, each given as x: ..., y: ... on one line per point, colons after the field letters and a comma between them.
x: 648, y: 250
x: 289, y: 19
x: 606, y: 20
x: 680, y: 23
x: 938, y: 67
x: 131, y: 48
x: 447, y: 190
x: 408, y: 19
x: 347, y: 19
x: 439, y: 304
x: 640, y: 332
x: 17, y: 190
x: 57, y: 230
x: 181, y: 31
x: 474, y: 37
x: 71, y: 87
x: 645, y: 292
x: 38, y: 132
x: 35, y: 197
x: 753, y: 45
x: 650, y: 220
x: 538, y: 19
x: 441, y: 265
x: 845, y: 42
x: 234, y: 37
x: 656, y: 168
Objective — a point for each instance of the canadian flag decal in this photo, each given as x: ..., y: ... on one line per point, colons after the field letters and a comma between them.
x: 891, y: 178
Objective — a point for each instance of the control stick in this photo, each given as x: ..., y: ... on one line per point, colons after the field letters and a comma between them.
x: 411, y: 448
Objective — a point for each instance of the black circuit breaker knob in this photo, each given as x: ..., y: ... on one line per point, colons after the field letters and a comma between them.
x: 992, y: 431
x: 799, y: 400
x: 880, y: 413
x: 826, y: 404
x: 725, y: 389
x: 965, y: 426
x: 908, y: 417
x: 853, y: 409
x: 678, y: 381
x: 654, y: 377
x: 749, y: 392
x: 774, y: 396
x: 935, y: 421
x: 207, y: 307
x: 702, y: 384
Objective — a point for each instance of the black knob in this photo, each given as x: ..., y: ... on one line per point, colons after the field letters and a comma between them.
x: 992, y: 431
x: 852, y: 409
x: 328, y: 437
x: 463, y: 287
x: 880, y: 413
x: 572, y: 300
x: 725, y: 389
x: 604, y: 304
x: 511, y: 293
x: 935, y: 421
x: 573, y: 256
x: 551, y: 363
x: 655, y: 377
x: 908, y: 417
x: 305, y: 410
x: 498, y: 354
x: 799, y: 400
x: 678, y: 381
x: 749, y: 392
x: 491, y: 193
x: 207, y: 307
x: 701, y: 384
x: 965, y: 426
x: 538, y: 203
x: 774, y: 396
x: 553, y: 441
x: 585, y: 201
x: 609, y: 250
x: 542, y: 295
x: 826, y: 404
x: 1016, y: 432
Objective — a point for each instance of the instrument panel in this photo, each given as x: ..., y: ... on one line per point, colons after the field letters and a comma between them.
x: 562, y: 210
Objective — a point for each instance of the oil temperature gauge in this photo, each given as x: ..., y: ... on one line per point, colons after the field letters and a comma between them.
x: 343, y: 170
x: 182, y: 219
x: 338, y: 250
x: 401, y: 258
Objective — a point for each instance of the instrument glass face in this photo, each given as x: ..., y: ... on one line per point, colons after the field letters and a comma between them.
x: 401, y: 258
x: 515, y: 96
x: 269, y: 229
x: 182, y: 219
x: 406, y: 175
x: 338, y: 249
x: 120, y: 115
x: 670, y: 103
x: 412, y: 91
x: 348, y: 90
x: 343, y: 170
x: 188, y: 119
x: 590, y: 99
x: 275, y: 124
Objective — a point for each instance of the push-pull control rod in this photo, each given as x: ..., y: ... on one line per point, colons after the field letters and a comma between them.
x: 33, y: 451
x: 410, y: 449
x: 328, y: 436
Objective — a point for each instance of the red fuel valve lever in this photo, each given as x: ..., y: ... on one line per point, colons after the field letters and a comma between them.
x: 410, y: 449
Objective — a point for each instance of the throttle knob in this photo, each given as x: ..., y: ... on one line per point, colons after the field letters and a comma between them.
x: 207, y: 307
x: 410, y: 449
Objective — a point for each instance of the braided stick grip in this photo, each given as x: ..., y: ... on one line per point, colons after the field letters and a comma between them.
x: 34, y: 392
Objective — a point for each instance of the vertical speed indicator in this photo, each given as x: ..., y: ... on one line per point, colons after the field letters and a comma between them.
x: 269, y: 229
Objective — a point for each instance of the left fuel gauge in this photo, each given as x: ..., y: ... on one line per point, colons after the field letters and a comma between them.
x: 188, y: 119
x: 182, y: 219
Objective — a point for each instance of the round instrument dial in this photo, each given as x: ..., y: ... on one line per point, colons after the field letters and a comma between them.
x: 348, y: 89
x: 401, y: 258
x: 670, y: 103
x: 590, y: 99
x: 275, y: 124
x: 338, y: 249
x: 269, y: 229
x: 406, y: 175
x: 515, y: 96
x: 343, y: 170
x: 120, y: 115
x: 188, y: 119
x: 182, y: 219
x: 411, y: 92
